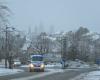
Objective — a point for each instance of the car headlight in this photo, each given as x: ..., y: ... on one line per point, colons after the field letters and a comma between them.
x: 42, y: 66
x: 31, y: 65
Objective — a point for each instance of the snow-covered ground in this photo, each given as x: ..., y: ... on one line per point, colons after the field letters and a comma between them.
x: 50, y: 67
x: 77, y: 64
x: 2, y: 66
x: 4, y: 71
x: 71, y: 64
x: 57, y: 65
x: 95, y: 75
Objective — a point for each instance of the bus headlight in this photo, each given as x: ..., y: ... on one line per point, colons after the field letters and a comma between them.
x: 42, y: 66
x: 31, y: 65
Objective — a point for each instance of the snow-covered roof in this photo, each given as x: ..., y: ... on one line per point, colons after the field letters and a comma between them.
x: 94, y: 35
x: 26, y: 45
x: 51, y: 38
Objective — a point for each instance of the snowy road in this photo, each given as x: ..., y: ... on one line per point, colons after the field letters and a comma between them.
x: 93, y: 75
x: 52, y: 72
x: 48, y: 75
x: 66, y: 75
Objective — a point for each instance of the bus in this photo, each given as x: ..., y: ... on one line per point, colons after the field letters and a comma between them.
x: 36, y: 63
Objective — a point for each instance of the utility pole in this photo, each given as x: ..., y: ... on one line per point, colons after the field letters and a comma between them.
x: 6, y: 47
x: 63, y: 52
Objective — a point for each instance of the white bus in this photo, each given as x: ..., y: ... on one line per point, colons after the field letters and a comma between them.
x: 37, y: 63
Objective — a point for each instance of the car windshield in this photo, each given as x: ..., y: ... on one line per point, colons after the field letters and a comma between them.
x: 37, y: 58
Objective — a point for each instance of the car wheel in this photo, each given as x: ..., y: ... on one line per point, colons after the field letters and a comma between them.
x: 31, y: 70
x: 42, y: 70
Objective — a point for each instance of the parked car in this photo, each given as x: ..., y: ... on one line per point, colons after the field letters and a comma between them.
x: 16, y: 63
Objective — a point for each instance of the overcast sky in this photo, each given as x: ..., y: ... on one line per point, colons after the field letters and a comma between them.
x: 64, y: 15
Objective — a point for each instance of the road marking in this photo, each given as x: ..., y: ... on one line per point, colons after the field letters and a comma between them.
x: 39, y: 75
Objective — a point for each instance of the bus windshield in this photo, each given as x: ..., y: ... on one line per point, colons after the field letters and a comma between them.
x: 37, y: 58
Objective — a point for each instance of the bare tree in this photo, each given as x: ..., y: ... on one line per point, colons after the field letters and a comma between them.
x: 15, y: 43
x: 4, y: 14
